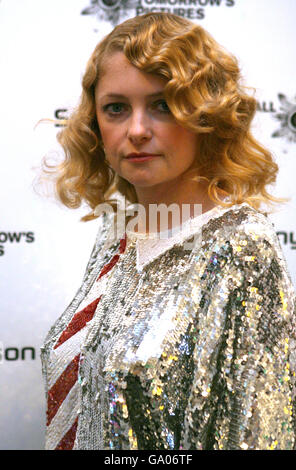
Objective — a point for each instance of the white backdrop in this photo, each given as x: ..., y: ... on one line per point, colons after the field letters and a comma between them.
x: 44, y: 46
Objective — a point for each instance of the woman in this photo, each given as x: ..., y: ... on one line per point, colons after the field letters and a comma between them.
x: 184, y: 341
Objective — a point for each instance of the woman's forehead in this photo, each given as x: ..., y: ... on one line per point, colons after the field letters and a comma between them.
x: 119, y: 76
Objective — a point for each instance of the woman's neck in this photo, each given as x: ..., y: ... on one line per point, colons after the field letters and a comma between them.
x: 167, y: 206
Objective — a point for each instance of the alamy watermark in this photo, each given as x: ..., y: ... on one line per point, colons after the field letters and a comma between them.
x: 159, y: 221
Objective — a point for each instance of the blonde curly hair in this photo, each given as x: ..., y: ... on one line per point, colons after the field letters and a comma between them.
x: 204, y: 94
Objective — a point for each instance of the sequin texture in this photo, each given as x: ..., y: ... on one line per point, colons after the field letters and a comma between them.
x: 196, y: 350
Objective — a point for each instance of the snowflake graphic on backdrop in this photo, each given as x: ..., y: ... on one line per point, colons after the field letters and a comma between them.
x: 287, y: 118
x: 113, y: 11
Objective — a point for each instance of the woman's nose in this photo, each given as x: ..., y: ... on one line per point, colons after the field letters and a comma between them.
x: 139, y: 127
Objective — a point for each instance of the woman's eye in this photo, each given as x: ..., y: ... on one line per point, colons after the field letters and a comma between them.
x: 114, y: 108
x: 162, y: 106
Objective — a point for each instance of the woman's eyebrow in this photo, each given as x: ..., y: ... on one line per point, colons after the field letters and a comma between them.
x: 119, y: 95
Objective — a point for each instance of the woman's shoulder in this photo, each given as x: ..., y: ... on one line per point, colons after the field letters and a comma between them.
x: 240, y: 220
x: 242, y: 244
x: 246, y: 235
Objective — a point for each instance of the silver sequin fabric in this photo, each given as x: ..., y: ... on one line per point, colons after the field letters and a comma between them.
x: 194, y: 351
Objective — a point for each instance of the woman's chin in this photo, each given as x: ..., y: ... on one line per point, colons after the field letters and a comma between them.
x: 142, y: 182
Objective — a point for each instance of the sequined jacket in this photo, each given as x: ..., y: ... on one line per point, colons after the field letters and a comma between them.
x: 193, y: 351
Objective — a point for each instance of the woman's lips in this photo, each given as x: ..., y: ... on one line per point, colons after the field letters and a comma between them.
x: 140, y: 157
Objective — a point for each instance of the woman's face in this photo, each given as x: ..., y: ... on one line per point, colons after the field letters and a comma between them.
x: 143, y: 142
